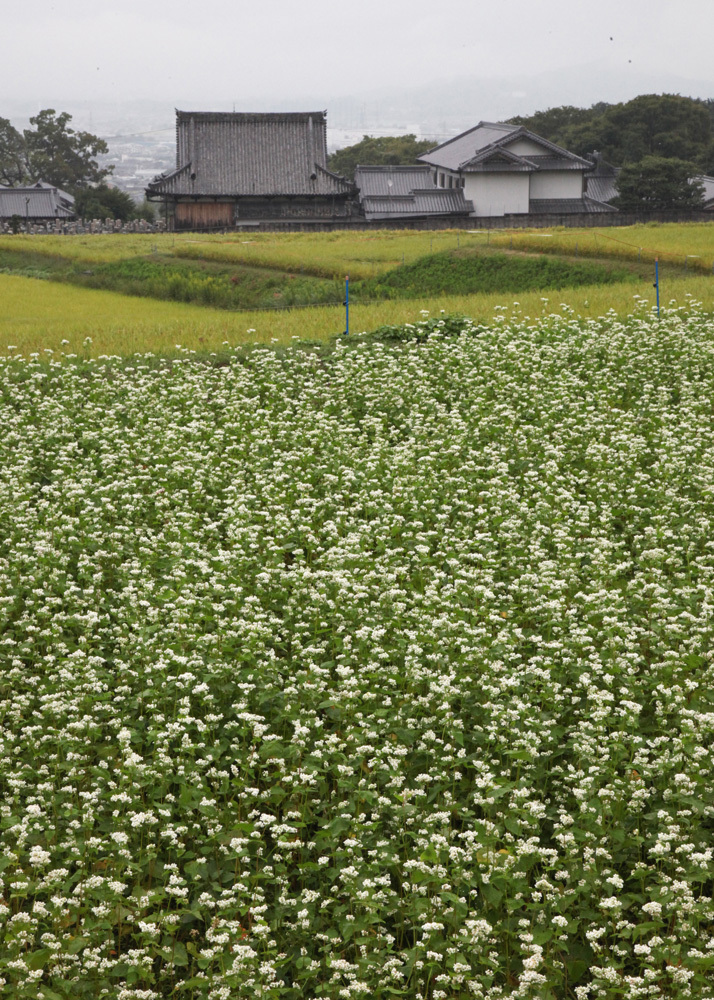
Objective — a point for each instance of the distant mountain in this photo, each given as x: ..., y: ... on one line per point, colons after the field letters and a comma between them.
x: 445, y: 105
x: 452, y: 105
x: 141, y: 132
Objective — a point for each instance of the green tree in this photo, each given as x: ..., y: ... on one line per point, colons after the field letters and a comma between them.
x: 55, y: 153
x: 664, y: 125
x: 12, y: 155
x: 658, y: 182
x: 102, y: 202
x: 145, y: 211
x: 375, y: 150
x: 558, y: 124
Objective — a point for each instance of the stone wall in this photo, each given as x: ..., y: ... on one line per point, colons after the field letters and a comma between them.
x: 65, y: 228
x: 436, y: 222
x: 584, y: 220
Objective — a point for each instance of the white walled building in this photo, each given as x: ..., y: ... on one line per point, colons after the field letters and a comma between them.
x: 506, y: 170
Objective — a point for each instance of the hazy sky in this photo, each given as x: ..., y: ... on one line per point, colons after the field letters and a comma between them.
x: 216, y: 51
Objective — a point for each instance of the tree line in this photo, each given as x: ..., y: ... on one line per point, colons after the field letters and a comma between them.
x: 51, y: 151
x: 659, y: 142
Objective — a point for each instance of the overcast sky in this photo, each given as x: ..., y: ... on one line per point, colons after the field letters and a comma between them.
x: 214, y: 52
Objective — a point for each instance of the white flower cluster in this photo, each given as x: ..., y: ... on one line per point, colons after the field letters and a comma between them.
x: 383, y: 670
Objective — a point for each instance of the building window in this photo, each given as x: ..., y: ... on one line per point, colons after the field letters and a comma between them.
x: 441, y: 180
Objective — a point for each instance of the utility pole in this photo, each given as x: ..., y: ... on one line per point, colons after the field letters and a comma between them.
x: 656, y: 283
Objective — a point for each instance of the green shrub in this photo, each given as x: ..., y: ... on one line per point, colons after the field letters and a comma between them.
x: 455, y: 273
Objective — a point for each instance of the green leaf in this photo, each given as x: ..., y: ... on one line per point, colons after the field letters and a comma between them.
x: 180, y: 955
x: 576, y: 970
x: 491, y: 894
x: 37, y: 959
x: 76, y: 944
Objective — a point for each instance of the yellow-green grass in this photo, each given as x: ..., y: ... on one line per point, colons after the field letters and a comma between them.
x: 687, y: 243
x: 97, y: 249
x: 360, y: 254
x: 38, y: 316
x: 363, y: 254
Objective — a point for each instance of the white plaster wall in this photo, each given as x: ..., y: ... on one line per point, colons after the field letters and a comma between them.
x: 557, y: 184
x: 525, y: 146
x: 497, y: 194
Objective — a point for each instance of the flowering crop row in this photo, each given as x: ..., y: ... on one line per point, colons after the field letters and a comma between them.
x: 385, y: 671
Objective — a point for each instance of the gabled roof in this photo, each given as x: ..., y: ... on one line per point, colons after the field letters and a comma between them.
x: 65, y: 198
x: 244, y: 154
x: 455, y: 154
x: 496, y: 157
x: 39, y: 201
x: 452, y: 153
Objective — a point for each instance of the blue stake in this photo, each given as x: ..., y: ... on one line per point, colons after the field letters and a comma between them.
x: 656, y: 283
x: 347, y: 305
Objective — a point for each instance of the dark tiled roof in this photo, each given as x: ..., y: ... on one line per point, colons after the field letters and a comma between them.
x: 391, y: 180
x: 601, y: 188
x: 440, y: 200
x: 396, y: 191
x: 432, y: 201
x: 65, y: 199
x: 548, y: 161
x: 566, y: 206
x: 595, y: 205
x: 601, y: 179
x: 223, y: 154
x: 33, y: 203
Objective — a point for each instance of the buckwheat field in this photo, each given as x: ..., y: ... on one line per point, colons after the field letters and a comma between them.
x: 377, y: 672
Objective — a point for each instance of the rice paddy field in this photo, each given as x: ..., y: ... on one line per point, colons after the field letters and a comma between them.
x: 377, y: 665
x: 364, y: 254
x: 52, y: 320
x: 289, y: 271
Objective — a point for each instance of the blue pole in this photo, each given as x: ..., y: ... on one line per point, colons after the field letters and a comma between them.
x: 657, y: 283
x: 347, y: 304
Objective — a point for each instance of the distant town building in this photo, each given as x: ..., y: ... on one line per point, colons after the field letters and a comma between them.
x: 238, y: 167
x: 508, y: 170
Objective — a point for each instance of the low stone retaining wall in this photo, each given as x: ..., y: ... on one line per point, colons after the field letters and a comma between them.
x: 103, y: 226
x: 552, y: 221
